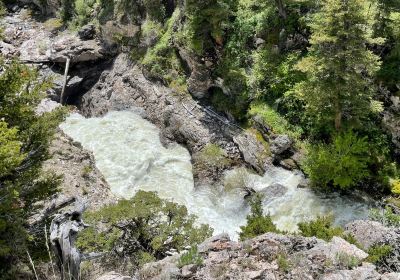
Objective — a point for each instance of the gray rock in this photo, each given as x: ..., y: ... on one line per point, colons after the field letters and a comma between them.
x: 189, y: 270
x: 275, y: 190
x: 254, y: 152
x: 338, y: 247
x: 114, y: 276
x: 87, y: 32
x: 369, y: 233
x: 200, y: 80
x: 261, y: 126
x: 71, y: 46
x: 280, y: 144
x: 257, y: 258
x: 45, y: 106
x: 365, y: 272
x: 391, y: 276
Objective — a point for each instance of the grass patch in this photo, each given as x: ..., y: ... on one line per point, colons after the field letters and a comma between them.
x: 212, y: 155
x: 346, y: 261
x: 283, y: 263
x: 277, y: 123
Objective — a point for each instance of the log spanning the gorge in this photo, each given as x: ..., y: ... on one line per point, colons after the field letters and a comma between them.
x: 63, y: 233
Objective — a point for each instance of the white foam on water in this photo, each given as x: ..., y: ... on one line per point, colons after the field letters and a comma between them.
x: 131, y: 157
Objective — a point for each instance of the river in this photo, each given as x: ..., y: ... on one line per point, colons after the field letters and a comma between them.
x: 128, y: 152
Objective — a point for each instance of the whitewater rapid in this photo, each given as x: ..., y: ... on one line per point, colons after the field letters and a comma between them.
x: 128, y: 152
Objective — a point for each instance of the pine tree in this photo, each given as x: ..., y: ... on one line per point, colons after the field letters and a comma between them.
x: 338, y: 90
x: 24, y: 141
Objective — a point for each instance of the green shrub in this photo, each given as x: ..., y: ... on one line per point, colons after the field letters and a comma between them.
x: 155, y: 9
x: 378, y: 253
x: 207, y: 21
x: 385, y: 216
x: 143, y: 224
x: 257, y: 222
x: 283, y: 263
x: 347, y: 261
x: 344, y: 163
x: 161, y: 61
x: 190, y: 257
x: 320, y: 228
x: 396, y: 187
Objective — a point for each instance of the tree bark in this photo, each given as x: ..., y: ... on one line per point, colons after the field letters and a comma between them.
x: 281, y: 8
x: 338, y: 116
x: 63, y: 233
x: 62, y: 97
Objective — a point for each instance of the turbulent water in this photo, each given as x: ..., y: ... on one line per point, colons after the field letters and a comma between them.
x: 129, y: 153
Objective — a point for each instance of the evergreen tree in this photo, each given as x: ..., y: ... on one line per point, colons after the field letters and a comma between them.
x: 207, y: 22
x: 24, y: 141
x: 338, y: 90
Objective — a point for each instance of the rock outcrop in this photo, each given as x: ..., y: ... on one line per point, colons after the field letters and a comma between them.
x: 180, y: 118
x: 270, y: 256
x: 370, y: 233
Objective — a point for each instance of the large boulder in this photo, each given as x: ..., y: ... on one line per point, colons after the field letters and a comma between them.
x: 369, y: 233
x: 253, y: 151
x: 78, y: 50
x: 280, y: 144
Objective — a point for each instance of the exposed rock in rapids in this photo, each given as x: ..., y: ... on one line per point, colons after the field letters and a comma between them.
x: 252, y: 150
x: 274, y: 190
x: 269, y: 256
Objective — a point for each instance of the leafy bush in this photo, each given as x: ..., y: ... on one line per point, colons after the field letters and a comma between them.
x: 378, y: 253
x: 257, y: 222
x: 207, y: 21
x: 161, y: 61
x: 283, y: 263
x: 142, y: 225
x: 190, y: 257
x: 320, y: 228
x: 396, y: 187
x: 344, y: 163
x: 155, y: 9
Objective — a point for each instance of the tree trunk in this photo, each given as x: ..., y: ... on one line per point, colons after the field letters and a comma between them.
x: 63, y: 233
x: 338, y: 116
x: 281, y: 8
x: 62, y: 97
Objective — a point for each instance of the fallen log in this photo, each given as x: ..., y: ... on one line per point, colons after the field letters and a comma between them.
x: 63, y: 233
